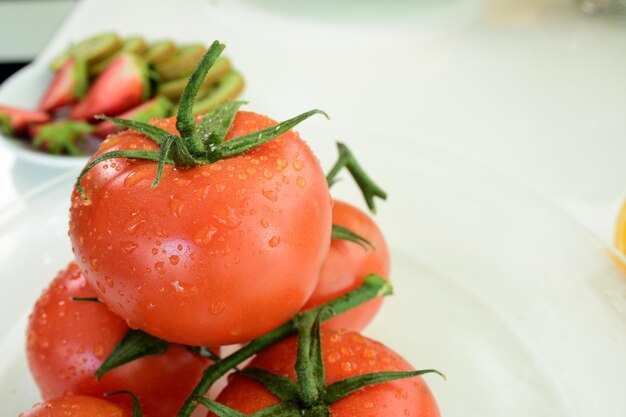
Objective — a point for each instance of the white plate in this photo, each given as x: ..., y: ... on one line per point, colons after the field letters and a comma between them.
x: 522, y: 309
x: 24, y: 89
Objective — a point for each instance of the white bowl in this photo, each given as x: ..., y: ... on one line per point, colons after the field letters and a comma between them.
x: 24, y: 89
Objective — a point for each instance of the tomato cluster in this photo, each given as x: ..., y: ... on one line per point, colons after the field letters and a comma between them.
x: 194, y: 233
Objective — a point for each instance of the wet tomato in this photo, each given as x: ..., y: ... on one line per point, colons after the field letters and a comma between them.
x: 215, y: 254
x: 345, y: 355
x: 347, y: 263
x: 68, y: 341
x: 77, y: 406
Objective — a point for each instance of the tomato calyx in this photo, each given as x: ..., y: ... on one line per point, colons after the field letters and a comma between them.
x: 373, y: 286
x: 368, y: 187
x: 309, y: 396
x: 197, y: 144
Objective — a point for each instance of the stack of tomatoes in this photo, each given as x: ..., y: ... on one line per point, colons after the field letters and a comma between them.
x: 216, y: 254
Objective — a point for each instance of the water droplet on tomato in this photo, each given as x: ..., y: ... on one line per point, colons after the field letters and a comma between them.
x: 98, y: 351
x: 270, y: 195
x: 226, y: 216
x: 285, y: 179
x: 264, y: 223
x: 94, y: 263
x: 174, y: 259
x: 275, y: 241
x: 101, y: 287
x: 109, y: 281
x: 150, y: 306
x: 160, y: 267
x: 176, y: 205
x: 129, y: 247
x: 268, y: 174
x: 301, y: 182
x: 281, y: 164
x: 348, y: 366
x: 217, y: 307
x: 407, y: 412
x: 368, y: 404
x: 204, y: 235
x: 132, y: 225
x: 298, y: 164
x: 334, y: 357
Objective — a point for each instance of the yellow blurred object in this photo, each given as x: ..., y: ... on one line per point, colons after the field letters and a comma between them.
x: 620, y: 236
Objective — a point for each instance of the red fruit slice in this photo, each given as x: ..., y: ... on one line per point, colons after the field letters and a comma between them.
x: 14, y: 120
x: 122, y: 85
x: 68, y: 85
x: 158, y: 107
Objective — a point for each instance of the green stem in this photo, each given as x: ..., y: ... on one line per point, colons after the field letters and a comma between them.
x: 305, y: 366
x: 373, y: 286
x: 185, y: 122
x: 368, y: 187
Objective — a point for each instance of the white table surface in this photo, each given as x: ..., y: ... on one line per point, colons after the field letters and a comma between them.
x: 531, y: 89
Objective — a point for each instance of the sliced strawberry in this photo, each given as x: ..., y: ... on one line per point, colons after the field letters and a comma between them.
x: 123, y: 84
x: 61, y: 137
x: 14, y: 120
x: 68, y: 85
x: 158, y: 107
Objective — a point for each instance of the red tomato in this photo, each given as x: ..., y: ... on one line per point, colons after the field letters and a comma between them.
x: 77, y: 406
x: 216, y: 254
x: 347, y: 264
x: 345, y: 355
x: 68, y: 340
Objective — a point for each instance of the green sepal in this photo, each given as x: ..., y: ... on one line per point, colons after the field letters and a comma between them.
x: 219, y: 409
x: 283, y: 388
x: 134, y: 345
x: 214, y: 126
x: 122, y: 153
x: 343, y: 233
x: 341, y: 389
x: 185, y: 122
x: 136, y: 404
x: 368, y: 187
x: 153, y: 132
x: 318, y: 410
x: 250, y: 141
x: 285, y: 409
x: 279, y: 410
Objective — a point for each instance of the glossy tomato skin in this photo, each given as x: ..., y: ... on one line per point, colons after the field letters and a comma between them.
x: 68, y: 340
x: 77, y: 406
x: 345, y: 354
x: 347, y: 264
x: 216, y: 254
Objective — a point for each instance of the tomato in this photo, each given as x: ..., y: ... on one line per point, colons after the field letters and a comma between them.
x: 347, y: 263
x: 77, y: 406
x: 68, y: 340
x: 345, y: 354
x: 216, y: 254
